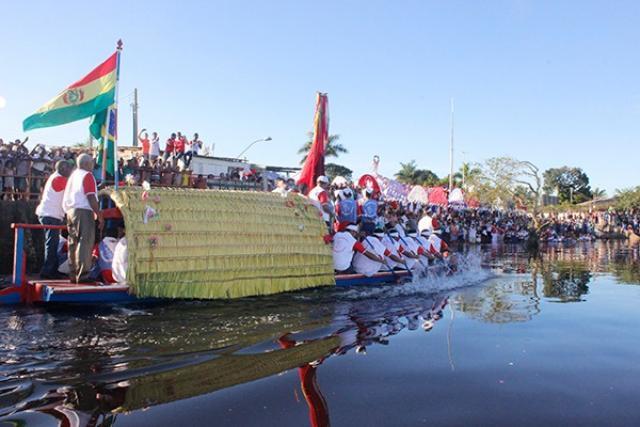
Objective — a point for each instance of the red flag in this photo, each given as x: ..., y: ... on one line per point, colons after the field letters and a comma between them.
x: 314, y: 164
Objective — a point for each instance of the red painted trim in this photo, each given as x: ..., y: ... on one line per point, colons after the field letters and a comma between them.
x: 39, y: 227
x: 105, y: 68
x: 111, y: 213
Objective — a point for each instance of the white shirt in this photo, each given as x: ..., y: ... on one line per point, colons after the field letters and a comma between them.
x: 194, y: 146
x: 120, y: 261
x: 314, y: 197
x: 74, y: 195
x: 154, y: 150
x: 392, y: 246
x: 281, y: 191
x: 413, y: 247
x: 343, y: 243
x: 436, y: 242
x: 51, y: 203
x: 367, y: 266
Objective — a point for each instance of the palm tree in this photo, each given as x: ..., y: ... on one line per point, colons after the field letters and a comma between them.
x: 427, y: 178
x: 598, y: 193
x: 408, y: 173
x: 333, y: 149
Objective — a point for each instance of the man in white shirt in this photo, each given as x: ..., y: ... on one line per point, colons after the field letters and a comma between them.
x: 80, y: 204
x: 319, y: 195
x: 50, y: 212
x: 154, y: 150
x: 281, y: 187
x: 365, y: 265
x: 344, y: 245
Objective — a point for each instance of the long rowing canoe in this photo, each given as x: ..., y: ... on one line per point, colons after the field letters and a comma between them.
x: 63, y: 291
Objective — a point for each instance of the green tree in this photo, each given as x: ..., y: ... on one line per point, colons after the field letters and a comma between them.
x: 503, y: 179
x: 598, y: 193
x: 333, y: 148
x: 628, y: 198
x: 409, y: 173
x: 468, y: 173
x: 332, y: 170
x: 571, y: 184
x: 427, y: 178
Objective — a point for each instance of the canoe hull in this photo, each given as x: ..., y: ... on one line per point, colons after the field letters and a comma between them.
x: 64, y: 292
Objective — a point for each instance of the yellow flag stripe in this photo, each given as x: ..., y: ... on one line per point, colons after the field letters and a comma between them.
x: 81, y: 94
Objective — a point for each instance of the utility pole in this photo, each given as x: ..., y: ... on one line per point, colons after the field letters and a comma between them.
x: 464, y: 168
x: 134, y: 110
x: 451, y: 151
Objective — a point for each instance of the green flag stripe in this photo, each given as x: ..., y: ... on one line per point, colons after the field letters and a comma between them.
x: 61, y: 116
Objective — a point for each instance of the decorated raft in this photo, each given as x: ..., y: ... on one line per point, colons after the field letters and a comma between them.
x: 204, y: 244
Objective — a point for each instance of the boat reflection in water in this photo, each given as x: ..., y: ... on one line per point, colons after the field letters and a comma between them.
x: 218, y: 349
x: 106, y: 366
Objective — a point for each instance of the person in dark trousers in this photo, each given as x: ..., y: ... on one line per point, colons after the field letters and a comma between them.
x: 50, y: 212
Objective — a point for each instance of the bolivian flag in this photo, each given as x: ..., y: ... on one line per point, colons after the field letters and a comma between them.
x: 91, y: 95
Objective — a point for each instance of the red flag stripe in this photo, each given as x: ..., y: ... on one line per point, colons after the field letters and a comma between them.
x: 101, y: 70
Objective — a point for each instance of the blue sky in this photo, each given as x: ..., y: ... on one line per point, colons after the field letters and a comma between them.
x: 551, y: 82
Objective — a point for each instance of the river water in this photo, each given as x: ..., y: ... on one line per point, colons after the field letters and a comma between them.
x: 545, y: 342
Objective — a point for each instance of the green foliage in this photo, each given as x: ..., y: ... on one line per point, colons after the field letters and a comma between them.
x: 410, y: 174
x: 332, y: 170
x: 505, y: 181
x: 333, y: 148
x: 571, y: 184
x: 628, y: 198
x: 598, y: 193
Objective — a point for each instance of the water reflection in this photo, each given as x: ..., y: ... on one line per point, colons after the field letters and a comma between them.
x: 87, y: 368
x: 141, y: 358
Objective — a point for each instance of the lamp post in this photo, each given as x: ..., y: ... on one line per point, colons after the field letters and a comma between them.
x: 267, y: 139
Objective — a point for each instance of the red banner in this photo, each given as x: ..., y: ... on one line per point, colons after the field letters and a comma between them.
x: 314, y: 165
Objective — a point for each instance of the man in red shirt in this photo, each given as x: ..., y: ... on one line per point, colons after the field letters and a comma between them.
x: 180, y: 145
x: 144, y: 142
x: 169, y: 149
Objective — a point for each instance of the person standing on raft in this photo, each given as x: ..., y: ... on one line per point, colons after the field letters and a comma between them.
x: 50, y: 212
x: 319, y: 196
x: 80, y: 204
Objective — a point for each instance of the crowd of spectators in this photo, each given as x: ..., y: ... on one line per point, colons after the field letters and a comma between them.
x: 24, y: 171
x: 457, y: 223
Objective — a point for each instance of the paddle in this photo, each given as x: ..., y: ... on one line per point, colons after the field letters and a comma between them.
x: 404, y: 262
x: 405, y: 243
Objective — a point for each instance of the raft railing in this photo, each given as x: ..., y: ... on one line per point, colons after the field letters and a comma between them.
x: 19, y: 254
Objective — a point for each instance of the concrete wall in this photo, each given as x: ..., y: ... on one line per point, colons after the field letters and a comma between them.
x: 19, y: 212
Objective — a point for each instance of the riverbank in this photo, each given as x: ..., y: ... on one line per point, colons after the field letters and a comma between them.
x: 20, y: 211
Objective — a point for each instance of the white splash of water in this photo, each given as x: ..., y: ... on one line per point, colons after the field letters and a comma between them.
x: 469, y: 273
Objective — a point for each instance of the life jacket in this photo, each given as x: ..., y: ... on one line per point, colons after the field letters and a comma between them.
x: 370, y: 210
x: 347, y: 211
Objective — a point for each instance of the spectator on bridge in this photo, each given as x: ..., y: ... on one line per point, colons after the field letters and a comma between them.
x: 143, y: 137
x: 50, y: 212
x: 169, y: 148
x: 154, y: 150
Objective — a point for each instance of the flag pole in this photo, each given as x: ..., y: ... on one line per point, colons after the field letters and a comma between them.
x: 105, y: 145
x: 450, y: 151
x: 115, y: 117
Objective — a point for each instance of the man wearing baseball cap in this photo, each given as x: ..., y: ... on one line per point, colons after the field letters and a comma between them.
x: 345, y: 243
x: 319, y: 195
